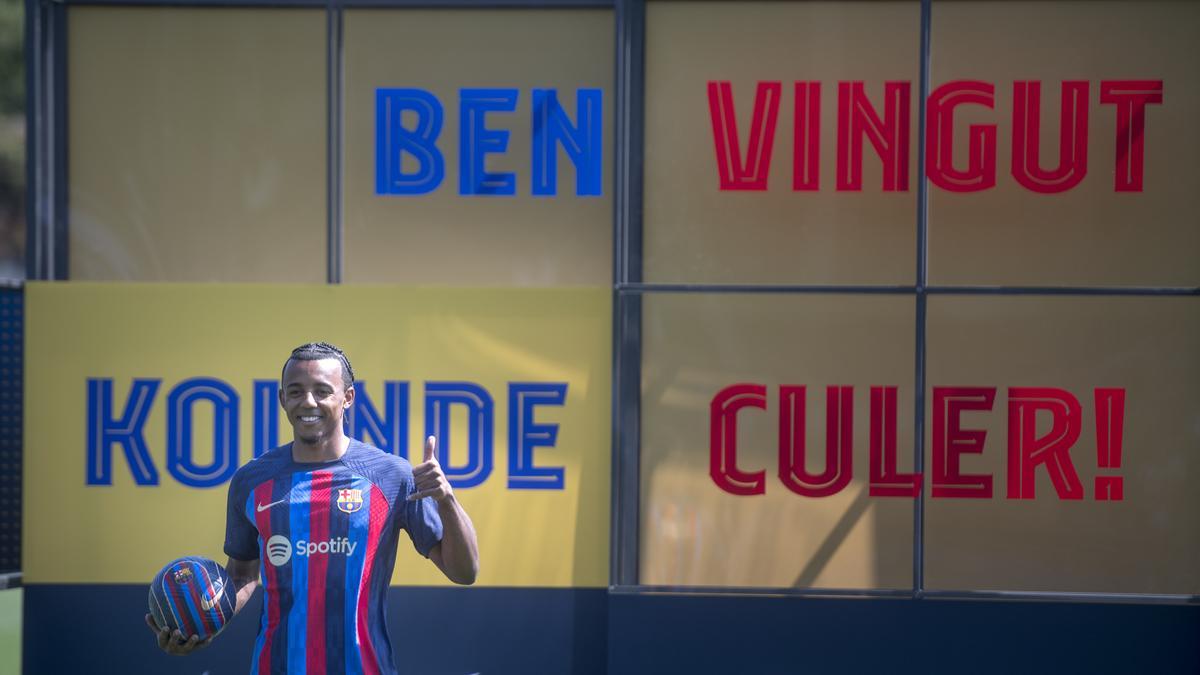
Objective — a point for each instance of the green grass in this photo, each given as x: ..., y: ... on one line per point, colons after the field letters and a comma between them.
x: 10, y: 631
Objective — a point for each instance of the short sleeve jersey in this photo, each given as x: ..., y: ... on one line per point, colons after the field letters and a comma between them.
x: 325, y: 535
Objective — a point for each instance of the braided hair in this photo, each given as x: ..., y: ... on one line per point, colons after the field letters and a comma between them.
x: 316, y: 351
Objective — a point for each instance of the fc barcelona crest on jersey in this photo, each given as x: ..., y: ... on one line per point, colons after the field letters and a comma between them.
x: 349, y: 500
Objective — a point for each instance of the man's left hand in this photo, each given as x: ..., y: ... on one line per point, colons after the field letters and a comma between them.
x: 428, y: 478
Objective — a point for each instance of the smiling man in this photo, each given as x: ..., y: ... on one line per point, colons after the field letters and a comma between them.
x: 319, y: 520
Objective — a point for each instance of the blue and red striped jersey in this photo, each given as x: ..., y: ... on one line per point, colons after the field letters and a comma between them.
x: 325, y: 535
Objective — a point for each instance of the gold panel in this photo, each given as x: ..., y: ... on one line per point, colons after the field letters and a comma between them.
x: 197, y: 144
x: 1069, y: 538
x: 447, y: 238
x: 1091, y: 233
x: 697, y: 232
x: 698, y: 534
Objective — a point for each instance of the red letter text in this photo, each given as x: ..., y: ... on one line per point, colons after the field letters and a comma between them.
x: 886, y: 480
x: 752, y: 173
x: 722, y: 439
x: 807, y: 144
x: 839, y: 442
x: 1072, y: 138
x: 950, y: 440
x: 856, y: 118
x: 1131, y: 98
x: 1026, y: 450
x: 980, y: 173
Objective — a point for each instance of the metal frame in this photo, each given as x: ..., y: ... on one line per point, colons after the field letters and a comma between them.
x: 46, y: 140
x: 482, y: 4
x: 354, y: 4
x: 629, y: 289
x: 46, y: 83
x: 47, y: 254
x: 903, y: 594
x: 334, y: 82
x: 918, y: 570
x: 761, y: 288
x: 200, y: 4
x: 627, y: 308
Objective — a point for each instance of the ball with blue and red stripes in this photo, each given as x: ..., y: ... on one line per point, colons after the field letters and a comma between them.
x: 193, y: 595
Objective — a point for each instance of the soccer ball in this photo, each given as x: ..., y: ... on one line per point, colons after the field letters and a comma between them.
x: 193, y: 595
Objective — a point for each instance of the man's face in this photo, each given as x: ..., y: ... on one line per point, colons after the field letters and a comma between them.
x: 314, y: 398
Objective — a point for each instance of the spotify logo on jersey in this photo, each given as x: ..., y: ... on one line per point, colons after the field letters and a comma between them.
x: 279, y: 550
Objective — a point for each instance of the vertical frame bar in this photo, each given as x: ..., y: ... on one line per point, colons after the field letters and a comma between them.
x: 630, y: 18
x: 46, y: 252
x: 62, y: 243
x: 32, y: 71
x: 921, y: 297
x: 333, y: 161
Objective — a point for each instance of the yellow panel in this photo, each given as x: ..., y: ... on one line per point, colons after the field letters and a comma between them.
x: 1090, y: 234
x: 197, y: 144
x: 697, y: 232
x: 696, y: 533
x: 122, y: 533
x: 1144, y: 543
x: 445, y: 237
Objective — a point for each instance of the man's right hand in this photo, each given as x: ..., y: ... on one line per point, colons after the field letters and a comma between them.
x: 174, y: 642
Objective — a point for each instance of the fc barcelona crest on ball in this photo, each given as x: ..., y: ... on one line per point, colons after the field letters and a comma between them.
x: 349, y: 500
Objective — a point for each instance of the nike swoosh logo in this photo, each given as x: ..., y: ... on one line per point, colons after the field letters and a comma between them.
x: 264, y: 507
x: 209, y: 604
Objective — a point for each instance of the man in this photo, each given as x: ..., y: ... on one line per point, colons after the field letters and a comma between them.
x: 320, y: 519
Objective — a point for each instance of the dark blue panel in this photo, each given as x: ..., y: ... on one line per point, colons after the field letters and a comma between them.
x: 493, y: 631
x: 766, y: 636
x: 12, y: 364
x: 456, y: 631
x: 435, y: 631
x: 101, y: 629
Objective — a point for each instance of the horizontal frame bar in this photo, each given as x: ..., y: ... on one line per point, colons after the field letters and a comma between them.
x: 482, y: 4
x: 905, y: 594
x: 198, y: 4
x: 909, y: 290
x: 1062, y: 290
x: 380, y: 4
x: 759, y: 288
x: 901, y: 594
x: 1063, y: 596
